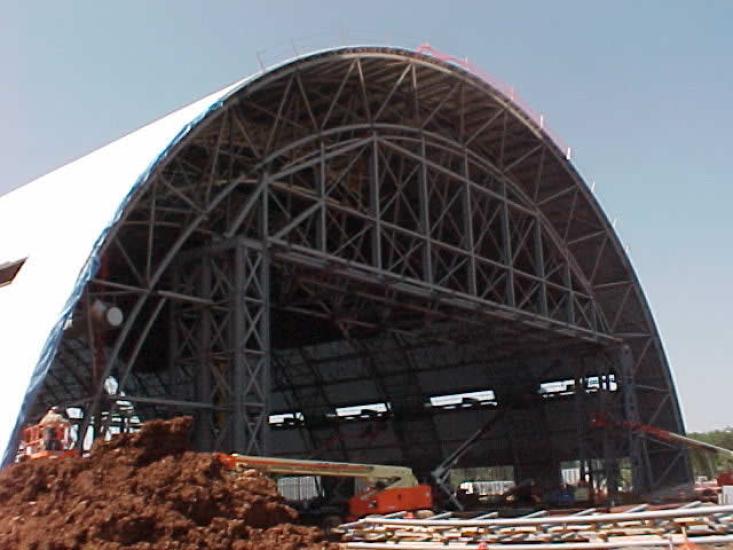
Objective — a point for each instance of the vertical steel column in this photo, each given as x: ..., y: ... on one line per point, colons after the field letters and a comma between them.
x: 427, y: 262
x: 625, y: 362
x: 173, y: 373
x: 251, y: 348
x: 539, y: 258
x: 570, y: 297
x: 610, y: 467
x: 507, y: 246
x: 238, y: 342
x: 321, y: 223
x: 470, y: 244
x: 203, y: 391
x: 581, y: 417
x: 375, y: 206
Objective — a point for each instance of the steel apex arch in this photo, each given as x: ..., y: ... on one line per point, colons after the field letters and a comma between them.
x: 415, y: 108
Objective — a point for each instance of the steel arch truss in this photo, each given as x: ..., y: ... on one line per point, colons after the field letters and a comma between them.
x: 391, y: 206
x: 222, y: 349
x: 396, y: 177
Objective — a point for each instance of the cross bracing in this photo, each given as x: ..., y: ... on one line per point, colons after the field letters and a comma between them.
x: 370, y: 225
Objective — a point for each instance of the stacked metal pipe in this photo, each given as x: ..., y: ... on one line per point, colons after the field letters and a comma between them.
x: 588, y: 529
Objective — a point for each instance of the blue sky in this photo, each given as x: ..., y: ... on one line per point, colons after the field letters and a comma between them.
x: 641, y: 91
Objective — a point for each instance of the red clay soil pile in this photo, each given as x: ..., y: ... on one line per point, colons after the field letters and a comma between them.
x: 145, y: 491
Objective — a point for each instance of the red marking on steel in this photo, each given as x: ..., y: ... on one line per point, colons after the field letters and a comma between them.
x: 505, y: 89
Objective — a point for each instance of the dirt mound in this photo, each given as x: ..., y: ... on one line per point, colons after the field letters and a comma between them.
x: 145, y: 491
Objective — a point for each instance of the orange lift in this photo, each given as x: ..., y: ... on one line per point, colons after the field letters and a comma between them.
x: 389, y: 488
x: 45, y: 441
x: 603, y: 421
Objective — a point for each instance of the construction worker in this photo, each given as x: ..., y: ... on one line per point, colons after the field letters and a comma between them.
x: 54, y: 426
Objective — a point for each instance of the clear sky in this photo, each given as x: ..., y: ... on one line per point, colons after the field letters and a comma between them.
x: 641, y: 90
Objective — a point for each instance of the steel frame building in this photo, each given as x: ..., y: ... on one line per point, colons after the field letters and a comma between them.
x: 343, y: 243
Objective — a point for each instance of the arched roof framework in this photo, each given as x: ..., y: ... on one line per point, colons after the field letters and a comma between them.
x: 392, y: 177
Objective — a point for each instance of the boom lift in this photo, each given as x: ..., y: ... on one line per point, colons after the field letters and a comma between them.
x: 441, y: 473
x: 514, y: 399
x: 45, y: 441
x: 603, y: 421
x: 389, y: 488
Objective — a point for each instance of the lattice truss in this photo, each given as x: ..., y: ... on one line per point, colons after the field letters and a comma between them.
x: 386, y: 193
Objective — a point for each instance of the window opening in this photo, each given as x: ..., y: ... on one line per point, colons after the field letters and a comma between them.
x: 362, y: 410
x: 456, y: 400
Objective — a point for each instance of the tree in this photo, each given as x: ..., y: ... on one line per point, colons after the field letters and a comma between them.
x: 703, y: 461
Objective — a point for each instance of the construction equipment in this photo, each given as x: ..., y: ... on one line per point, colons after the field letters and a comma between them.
x: 441, y: 473
x: 49, y: 440
x: 604, y: 421
x: 513, y: 399
x: 389, y: 488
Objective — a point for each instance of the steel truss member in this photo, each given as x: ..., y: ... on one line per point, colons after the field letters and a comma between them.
x: 405, y: 220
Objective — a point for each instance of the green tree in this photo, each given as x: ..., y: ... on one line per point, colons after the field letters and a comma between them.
x: 703, y: 461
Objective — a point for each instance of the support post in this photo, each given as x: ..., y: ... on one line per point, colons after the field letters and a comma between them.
x: 470, y: 244
x: 427, y: 258
x: 507, y: 247
x: 539, y: 258
x: 203, y: 391
x: 375, y: 205
x: 581, y: 417
x: 625, y: 363
x: 251, y: 349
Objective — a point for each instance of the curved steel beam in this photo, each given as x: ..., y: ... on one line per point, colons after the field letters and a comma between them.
x: 575, y: 189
